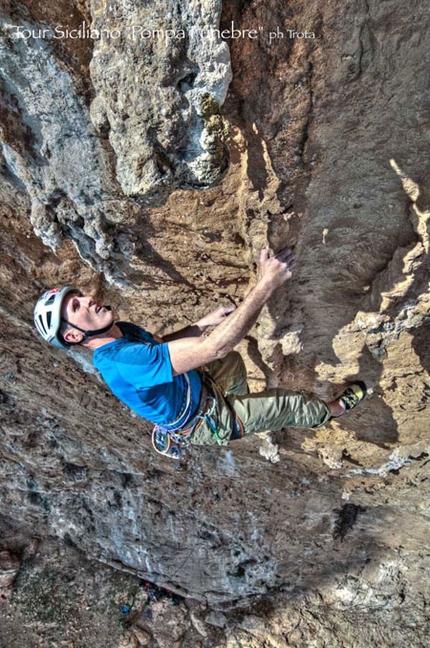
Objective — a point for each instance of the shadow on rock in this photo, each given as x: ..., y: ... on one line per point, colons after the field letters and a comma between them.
x: 421, y: 345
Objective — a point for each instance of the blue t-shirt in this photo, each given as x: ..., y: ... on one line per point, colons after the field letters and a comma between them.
x: 138, y: 370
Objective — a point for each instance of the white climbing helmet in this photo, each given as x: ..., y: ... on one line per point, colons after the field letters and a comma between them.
x: 47, y: 314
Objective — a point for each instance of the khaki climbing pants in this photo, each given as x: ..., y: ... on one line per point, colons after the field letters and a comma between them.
x: 269, y: 410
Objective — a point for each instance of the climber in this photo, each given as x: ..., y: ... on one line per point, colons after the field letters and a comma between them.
x: 192, y: 387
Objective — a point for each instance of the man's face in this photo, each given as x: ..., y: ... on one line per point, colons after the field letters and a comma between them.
x: 85, y: 312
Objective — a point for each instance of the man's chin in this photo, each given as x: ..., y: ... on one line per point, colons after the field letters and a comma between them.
x: 112, y: 319
x: 104, y: 320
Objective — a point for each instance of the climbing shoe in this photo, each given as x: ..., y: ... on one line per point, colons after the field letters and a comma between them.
x: 353, y: 395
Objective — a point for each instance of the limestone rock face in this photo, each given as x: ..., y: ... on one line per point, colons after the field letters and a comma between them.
x: 160, y: 74
x: 152, y: 170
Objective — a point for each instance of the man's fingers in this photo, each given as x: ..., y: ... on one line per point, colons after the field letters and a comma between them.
x: 286, y: 257
x: 285, y: 254
x: 281, y: 255
x: 264, y: 254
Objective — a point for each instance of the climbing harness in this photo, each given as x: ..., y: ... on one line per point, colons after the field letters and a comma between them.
x: 172, y: 442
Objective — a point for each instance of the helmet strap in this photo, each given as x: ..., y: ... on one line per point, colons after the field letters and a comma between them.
x: 88, y: 334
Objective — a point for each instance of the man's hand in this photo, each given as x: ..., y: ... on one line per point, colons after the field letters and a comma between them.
x: 276, y: 270
x: 195, y: 330
x: 215, y: 317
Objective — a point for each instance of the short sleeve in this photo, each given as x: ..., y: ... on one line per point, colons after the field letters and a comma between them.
x: 144, y: 365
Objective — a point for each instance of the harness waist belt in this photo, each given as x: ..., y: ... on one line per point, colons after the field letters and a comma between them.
x: 193, y: 423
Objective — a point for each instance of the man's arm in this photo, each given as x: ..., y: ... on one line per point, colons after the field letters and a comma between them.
x: 193, y: 352
x: 197, y: 329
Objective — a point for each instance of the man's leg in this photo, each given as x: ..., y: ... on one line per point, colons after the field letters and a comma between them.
x: 278, y: 408
x: 269, y: 410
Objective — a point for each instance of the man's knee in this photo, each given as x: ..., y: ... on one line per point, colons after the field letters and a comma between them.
x: 234, y: 357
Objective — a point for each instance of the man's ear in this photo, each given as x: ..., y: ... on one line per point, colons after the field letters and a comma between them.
x: 73, y: 336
